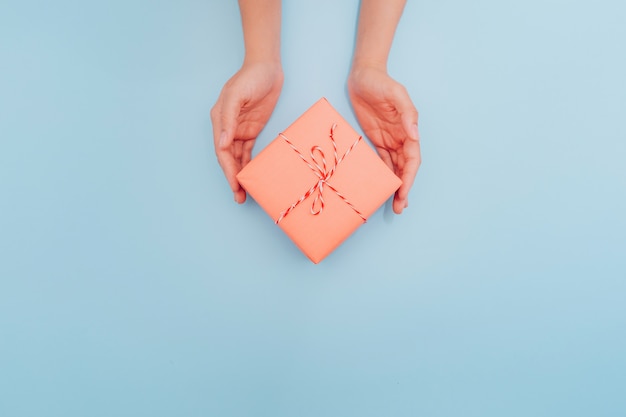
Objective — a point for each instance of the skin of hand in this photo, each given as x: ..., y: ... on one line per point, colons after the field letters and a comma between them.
x: 243, y: 108
x: 248, y: 98
x: 381, y: 104
x: 389, y: 119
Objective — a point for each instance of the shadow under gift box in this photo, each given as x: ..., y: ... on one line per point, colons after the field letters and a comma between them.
x: 278, y: 177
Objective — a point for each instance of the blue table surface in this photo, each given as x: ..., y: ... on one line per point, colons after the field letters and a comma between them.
x: 132, y: 285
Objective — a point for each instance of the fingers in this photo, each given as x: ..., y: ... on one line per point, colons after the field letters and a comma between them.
x: 246, y: 152
x: 231, y: 168
x: 229, y: 111
x: 410, y: 149
x: 412, y: 161
x: 386, y: 157
x: 224, y: 118
x: 408, y: 114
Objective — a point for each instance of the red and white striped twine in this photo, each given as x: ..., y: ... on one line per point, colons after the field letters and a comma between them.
x: 323, y: 174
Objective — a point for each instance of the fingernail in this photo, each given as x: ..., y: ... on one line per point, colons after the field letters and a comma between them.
x: 222, y: 139
x: 414, y: 132
x: 406, y: 203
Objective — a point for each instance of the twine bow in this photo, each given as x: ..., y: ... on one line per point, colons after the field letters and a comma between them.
x: 323, y: 175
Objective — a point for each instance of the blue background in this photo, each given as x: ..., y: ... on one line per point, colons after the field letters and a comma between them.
x: 132, y: 285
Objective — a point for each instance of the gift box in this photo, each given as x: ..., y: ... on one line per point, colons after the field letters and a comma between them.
x: 319, y: 180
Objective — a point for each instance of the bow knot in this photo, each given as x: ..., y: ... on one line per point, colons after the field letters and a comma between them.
x: 323, y: 174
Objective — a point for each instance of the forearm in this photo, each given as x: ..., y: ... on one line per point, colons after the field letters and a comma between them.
x: 261, y: 29
x: 378, y: 20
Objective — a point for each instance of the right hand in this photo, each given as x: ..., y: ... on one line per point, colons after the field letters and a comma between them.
x: 389, y: 119
x: 243, y: 108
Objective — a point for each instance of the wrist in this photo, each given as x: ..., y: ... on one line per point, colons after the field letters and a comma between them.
x: 264, y: 49
x: 362, y: 71
x: 262, y: 57
x: 269, y: 66
x: 359, y: 64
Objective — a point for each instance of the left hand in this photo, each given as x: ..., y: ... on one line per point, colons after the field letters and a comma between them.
x: 389, y: 119
x: 242, y: 110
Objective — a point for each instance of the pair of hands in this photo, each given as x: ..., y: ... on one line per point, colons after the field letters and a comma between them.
x: 382, y: 106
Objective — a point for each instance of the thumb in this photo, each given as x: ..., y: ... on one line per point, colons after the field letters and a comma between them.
x: 229, y: 111
x: 228, y: 121
x: 410, y: 149
x: 408, y: 114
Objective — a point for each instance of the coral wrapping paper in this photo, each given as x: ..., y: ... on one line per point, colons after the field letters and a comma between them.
x: 278, y: 177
